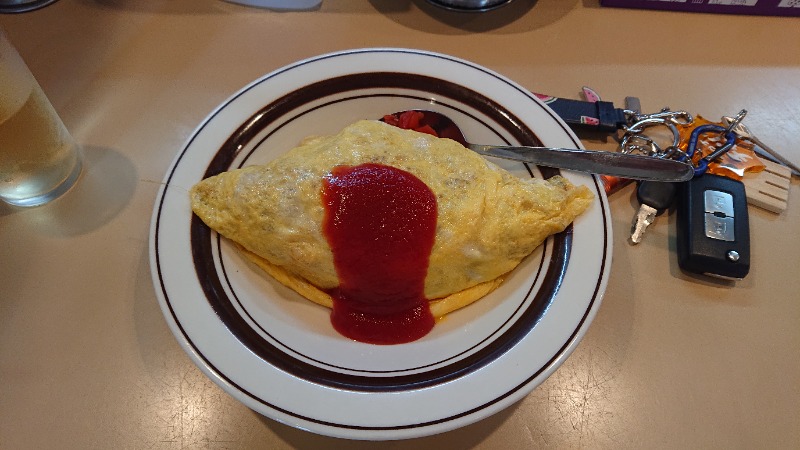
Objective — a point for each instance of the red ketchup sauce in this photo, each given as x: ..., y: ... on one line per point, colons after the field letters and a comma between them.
x: 380, y: 223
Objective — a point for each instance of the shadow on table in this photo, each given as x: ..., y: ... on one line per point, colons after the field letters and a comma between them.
x: 160, y: 6
x: 517, y: 17
x: 466, y: 437
x: 105, y: 186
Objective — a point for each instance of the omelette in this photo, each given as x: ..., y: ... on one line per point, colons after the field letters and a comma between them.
x: 481, y: 221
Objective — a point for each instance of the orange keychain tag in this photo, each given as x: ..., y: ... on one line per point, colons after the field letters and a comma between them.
x: 734, y: 163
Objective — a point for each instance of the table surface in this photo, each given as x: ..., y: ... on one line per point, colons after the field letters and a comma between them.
x: 671, y: 360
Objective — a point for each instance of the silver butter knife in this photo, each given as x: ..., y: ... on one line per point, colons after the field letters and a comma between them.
x: 637, y: 167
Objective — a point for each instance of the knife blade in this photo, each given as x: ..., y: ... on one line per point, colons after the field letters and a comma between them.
x: 637, y: 167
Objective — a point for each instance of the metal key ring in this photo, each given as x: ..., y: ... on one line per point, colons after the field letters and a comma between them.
x: 639, y: 127
x: 648, y: 147
x: 675, y: 117
x: 672, y: 151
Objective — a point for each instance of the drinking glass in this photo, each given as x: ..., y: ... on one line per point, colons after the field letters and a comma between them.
x: 39, y: 159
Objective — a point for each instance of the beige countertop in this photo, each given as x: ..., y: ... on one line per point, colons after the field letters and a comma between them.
x: 670, y: 361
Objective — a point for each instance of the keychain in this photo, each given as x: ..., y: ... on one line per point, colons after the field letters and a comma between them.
x: 713, y: 235
x: 718, y: 150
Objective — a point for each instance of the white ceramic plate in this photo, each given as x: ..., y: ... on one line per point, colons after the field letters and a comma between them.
x: 277, y: 353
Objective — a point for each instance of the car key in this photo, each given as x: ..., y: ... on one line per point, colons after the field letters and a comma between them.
x: 713, y: 231
x: 655, y: 197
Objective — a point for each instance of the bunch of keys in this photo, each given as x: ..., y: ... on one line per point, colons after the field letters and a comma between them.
x: 713, y: 235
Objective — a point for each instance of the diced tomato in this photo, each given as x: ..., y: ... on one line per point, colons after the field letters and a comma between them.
x: 426, y: 129
x: 392, y: 120
x: 410, y: 120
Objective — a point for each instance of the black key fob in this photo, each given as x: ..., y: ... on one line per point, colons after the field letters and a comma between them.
x: 713, y: 230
